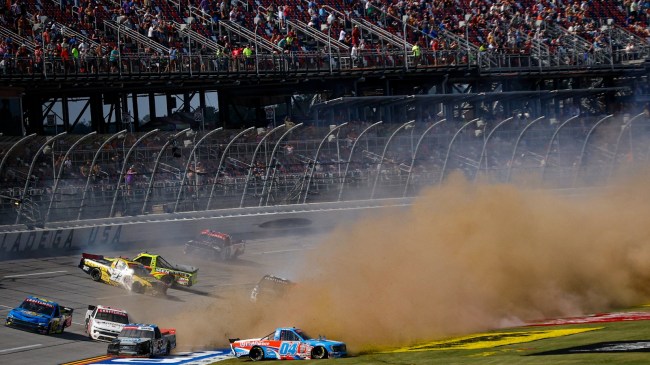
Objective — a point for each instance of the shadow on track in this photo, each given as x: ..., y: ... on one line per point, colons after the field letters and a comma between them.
x: 71, y: 336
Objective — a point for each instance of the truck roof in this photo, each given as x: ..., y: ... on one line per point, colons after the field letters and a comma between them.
x: 45, y: 302
x: 106, y: 309
x: 215, y: 234
x: 288, y: 328
x: 149, y: 327
x: 146, y: 253
x: 140, y: 326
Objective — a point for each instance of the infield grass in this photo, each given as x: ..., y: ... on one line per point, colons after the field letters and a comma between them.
x: 520, y: 353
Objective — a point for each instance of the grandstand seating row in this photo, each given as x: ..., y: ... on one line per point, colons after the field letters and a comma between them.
x: 504, y: 26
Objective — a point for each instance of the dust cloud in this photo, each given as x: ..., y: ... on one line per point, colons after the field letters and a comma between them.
x: 463, y: 258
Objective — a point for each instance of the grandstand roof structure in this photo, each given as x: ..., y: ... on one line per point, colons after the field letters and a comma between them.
x: 467, y: 97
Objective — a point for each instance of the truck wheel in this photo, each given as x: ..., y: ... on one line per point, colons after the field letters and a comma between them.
x: 137, y: 288
x: 168, y: 350
x: 319, y: 352
x: 256, y: 354
x: 96, y: 275
x: 160, y: 290
x: 225, y: 253
x: 168, y: 280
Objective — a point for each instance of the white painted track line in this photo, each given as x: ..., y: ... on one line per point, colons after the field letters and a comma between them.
x: 21, y: 348
x: 34, y: 274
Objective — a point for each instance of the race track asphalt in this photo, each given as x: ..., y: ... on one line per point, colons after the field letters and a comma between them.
x: 59, y: 279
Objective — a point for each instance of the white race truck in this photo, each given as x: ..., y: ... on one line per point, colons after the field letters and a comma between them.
x: 105, y: 323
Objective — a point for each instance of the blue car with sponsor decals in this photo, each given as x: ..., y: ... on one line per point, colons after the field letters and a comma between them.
x: 41, y: 315
x: 287, y: 343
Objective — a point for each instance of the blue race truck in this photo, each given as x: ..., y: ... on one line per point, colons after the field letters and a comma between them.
x: 41, y: 315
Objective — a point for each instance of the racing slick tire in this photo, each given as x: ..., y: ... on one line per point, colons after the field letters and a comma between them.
x: 160, y: 291
x: 256, y: 354
x: 168, y: 280
x: 96, y: 275
x: 319, y: 352
x: 137, y: 288
x: 225, y: 253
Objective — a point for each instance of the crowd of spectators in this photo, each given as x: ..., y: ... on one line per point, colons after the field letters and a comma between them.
x: 493, y: 26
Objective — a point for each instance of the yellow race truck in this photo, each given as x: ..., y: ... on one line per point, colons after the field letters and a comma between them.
x: 121, y: 272
x: 167, y: 272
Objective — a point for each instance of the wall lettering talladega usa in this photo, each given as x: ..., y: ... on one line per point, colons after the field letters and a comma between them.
x: 60, y: 239
x: 118, y: 234
x: 109, y: 235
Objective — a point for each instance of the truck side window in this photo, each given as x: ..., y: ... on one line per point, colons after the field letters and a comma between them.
x: 157, y: 332
x: 56, y: 311
x: 288, y: 336
x: 284, y: 336
x: 144, y: 260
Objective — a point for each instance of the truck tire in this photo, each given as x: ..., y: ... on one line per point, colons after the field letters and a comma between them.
x: 319, y: 352
x: 168, y: 279
x: 256, y: 354
x: 225, y: 253
x: 96, y: 275
x: 168, y: 349
x: 137, y: 288
x: 159, y: 290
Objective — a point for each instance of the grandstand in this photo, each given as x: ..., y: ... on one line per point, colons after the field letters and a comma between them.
x: 487, y: 68
x: 574, y: 33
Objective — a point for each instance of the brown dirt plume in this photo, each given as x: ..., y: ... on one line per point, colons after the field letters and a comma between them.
x: 463, y: 258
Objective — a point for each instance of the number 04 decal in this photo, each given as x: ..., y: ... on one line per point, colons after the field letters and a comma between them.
x: 288, y: 348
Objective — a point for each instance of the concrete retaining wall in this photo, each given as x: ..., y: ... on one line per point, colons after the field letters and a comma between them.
x: 170, y: 229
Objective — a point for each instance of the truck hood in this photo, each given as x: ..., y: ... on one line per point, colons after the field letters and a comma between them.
x: 111, y: 326
x: 323, y: 342
x: 29, y: 316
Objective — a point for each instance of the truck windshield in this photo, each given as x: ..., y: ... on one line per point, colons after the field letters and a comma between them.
x: 113, y: 317
x: 272, y: 284
x: 160, y: 262
x: 140, y: 270
x: 136, y: 333
x: 38, y: 307
x: 303, y: 334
